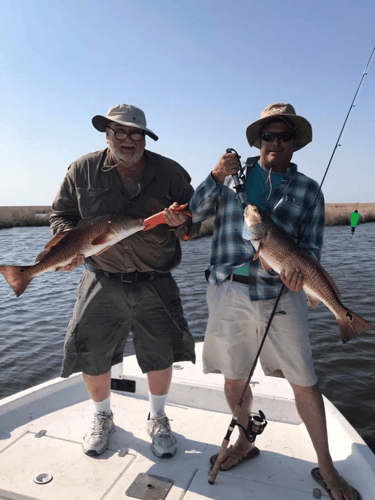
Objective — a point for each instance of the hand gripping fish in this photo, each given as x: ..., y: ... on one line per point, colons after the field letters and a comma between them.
x: 278, y: 251
x: 90, y: 237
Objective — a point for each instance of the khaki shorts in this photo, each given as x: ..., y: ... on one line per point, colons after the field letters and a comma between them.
x: 236, y: 327
x: 107, y: 310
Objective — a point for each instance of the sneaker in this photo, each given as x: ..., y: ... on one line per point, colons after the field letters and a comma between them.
x: 95, y: 441
x: 164, y: 443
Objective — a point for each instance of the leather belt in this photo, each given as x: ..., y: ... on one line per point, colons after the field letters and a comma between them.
x: 238, y: 278
x: 128, y: 277
x: 233, y: 277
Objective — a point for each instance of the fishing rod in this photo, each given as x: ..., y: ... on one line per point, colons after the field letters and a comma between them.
x: 365, y: 73
x: 261, y: 421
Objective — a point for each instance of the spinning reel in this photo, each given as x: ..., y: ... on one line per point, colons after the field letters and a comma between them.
x: 256, y: 424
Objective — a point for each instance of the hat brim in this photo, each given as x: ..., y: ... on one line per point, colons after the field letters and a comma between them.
x: 101, y: 122
x: 304, y: 135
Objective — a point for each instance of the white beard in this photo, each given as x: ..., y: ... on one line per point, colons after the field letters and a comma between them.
x: 126, y: 158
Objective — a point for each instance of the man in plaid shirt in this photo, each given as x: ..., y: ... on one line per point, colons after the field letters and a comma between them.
x: 239, y: 289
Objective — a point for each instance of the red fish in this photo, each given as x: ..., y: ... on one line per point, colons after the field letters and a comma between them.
x: 90, y: 237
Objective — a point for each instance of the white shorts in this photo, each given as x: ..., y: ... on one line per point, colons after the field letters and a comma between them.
x: 235, y: 329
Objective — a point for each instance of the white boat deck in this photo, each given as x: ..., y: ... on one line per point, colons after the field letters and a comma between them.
x: 199, y: 418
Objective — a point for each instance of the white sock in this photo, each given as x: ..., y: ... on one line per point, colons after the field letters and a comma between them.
x: 103, y: 406
x: 157, y: 404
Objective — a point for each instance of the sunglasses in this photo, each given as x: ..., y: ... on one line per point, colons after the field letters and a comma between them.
x: 281, y: 136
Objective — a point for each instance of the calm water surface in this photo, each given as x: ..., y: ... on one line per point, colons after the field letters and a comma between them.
x: 32, y: 327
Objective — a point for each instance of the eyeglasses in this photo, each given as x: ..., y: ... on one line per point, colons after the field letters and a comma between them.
x: 121, y: 136
x: 281, y: 136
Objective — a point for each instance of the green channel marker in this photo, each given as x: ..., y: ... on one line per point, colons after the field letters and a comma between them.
x: 354, y: 217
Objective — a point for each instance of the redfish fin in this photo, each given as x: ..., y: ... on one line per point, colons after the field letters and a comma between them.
x: 53, y: 242
x: 56, y: 239
x: 352, y: 325
x: 17, y: 277
x: 257, y: 253
x: 102, y: 238
x: 264, y: 264
x: 313, y: 301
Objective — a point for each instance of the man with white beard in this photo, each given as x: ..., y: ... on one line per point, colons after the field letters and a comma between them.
x: 127, y: 288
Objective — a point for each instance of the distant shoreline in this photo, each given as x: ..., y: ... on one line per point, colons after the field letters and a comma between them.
x: 24, y: 216
x: 337, y: 214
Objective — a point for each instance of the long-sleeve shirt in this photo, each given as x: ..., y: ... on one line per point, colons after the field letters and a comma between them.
x: 91, y: 188
x: 296, y: 206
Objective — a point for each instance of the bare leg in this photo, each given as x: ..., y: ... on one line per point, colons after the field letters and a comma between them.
x: 310, y: 406
x: 98, y: 386
x: 159, y: 381
x: 233, y: 391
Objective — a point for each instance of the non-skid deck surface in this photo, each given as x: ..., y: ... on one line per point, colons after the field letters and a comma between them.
x: 282, y: 471
x: 199, y: 418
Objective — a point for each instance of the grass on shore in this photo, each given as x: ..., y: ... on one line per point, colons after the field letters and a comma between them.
x: 24, y: 216
x: 337, y: 214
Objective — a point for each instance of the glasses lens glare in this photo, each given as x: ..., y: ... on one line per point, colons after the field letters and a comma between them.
x: 135, y: 136
x: 282, y: 136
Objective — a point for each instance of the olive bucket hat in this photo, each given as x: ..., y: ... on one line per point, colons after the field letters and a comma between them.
x: 124, y: 114
x: 281, y: 110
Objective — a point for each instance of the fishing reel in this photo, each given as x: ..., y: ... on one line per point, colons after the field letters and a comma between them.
x: 256, y: 424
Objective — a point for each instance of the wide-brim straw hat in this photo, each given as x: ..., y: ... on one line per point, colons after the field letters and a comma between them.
x: 280, y: 110
x: 124, y: 114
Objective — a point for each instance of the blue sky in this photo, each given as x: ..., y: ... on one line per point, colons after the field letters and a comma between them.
x: 201, y: 70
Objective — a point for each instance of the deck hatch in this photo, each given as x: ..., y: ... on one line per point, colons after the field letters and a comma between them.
x: 149, y: 487
x: 75, y: 475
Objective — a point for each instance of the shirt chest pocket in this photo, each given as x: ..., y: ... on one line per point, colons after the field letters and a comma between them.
x: 289, y: 211
x: 94, y: 201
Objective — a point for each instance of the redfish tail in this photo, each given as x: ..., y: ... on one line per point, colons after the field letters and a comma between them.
x: 17, y: 277
x: 352, y: 325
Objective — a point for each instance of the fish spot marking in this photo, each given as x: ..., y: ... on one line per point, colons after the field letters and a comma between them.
x: 349, y: 315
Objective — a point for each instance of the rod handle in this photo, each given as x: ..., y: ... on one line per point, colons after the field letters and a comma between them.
x: 218, y: 461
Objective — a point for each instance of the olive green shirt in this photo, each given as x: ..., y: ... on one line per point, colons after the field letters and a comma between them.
x: 90, y: 189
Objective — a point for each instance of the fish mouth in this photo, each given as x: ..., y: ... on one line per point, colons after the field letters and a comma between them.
x: 252, y: 215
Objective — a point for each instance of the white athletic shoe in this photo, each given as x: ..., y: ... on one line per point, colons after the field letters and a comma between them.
x: 95, y: 441
x: 164, y: 443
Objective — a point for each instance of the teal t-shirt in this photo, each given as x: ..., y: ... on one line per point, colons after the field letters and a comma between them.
x: 259, y: 186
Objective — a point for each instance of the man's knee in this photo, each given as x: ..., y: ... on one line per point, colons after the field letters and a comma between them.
x: 233, y: 384
x: 300, y: 389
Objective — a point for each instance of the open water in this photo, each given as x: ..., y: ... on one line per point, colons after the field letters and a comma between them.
x: 32, y: 327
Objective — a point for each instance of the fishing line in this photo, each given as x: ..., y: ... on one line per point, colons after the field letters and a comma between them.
x: 339, y: 137
x: 242, y: 198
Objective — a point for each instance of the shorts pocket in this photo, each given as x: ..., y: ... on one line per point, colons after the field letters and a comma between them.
x: 169, y: 294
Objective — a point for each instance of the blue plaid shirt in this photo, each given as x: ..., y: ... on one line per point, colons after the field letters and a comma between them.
x: 289, y: 207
